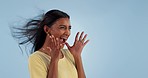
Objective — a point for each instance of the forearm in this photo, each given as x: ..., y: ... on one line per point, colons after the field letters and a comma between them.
x: 53, y: 69
x: 79, y: 67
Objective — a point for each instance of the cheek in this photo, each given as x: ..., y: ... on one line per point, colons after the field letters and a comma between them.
x: 57, y: 34
x: 69, y: 33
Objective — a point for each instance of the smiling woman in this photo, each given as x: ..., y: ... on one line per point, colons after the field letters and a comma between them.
x: 48, y: 36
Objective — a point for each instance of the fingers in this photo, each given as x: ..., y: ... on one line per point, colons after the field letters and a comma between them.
x: 82, y: 39
x: 81, y: 35
x: 68, y: 46
x: 86, y: 42
x: 55, y: 43
x: 54, y: 40
x: 76, y: 38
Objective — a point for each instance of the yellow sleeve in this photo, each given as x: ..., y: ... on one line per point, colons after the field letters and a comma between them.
x: 37, y: 67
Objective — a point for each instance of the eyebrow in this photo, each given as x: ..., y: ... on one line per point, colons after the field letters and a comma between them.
x: 64, y: 25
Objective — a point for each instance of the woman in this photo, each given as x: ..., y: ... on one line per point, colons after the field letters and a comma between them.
x: 48, y: 36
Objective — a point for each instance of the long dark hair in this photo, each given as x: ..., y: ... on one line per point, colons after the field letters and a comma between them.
x: 33, y: 32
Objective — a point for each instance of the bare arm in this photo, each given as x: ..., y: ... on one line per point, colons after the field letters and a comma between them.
x: 53, y: 69
x: 54, y: 52
x: 76, y: 51
x: 79, y: 67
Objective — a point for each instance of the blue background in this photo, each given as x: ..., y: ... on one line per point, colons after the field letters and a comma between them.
x: 117, y: 29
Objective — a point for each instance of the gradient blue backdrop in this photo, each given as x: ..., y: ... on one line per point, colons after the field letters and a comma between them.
x: 117, y: 29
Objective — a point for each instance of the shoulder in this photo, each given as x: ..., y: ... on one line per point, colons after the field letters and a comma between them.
x: 39, y: 57
x: 35, y: 57
x: 37, y: 65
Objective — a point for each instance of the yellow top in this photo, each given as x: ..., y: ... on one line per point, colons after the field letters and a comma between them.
x: 39, y: 62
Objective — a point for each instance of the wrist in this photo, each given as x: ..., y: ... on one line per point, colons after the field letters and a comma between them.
x: 77, y: 57
x: 54, y: 60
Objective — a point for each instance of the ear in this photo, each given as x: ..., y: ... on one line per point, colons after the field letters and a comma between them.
x: 46, y: 29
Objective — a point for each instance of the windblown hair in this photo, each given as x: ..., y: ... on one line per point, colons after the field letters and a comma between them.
x: 33, y: 31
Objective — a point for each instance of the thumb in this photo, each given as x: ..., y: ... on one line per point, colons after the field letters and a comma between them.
x: 68, y: 46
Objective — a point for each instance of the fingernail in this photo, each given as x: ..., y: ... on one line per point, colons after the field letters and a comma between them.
x: 56, y: 38
x: 52, y: 36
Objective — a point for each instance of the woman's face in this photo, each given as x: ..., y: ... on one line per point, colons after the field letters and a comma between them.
x: 61, y: 29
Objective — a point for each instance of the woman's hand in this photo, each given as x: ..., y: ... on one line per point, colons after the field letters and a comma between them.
x: 78, y: 45
x: 54, y: 51
x: 54, y: 48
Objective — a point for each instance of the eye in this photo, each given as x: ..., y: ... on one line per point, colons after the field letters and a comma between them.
x: 62, y: 27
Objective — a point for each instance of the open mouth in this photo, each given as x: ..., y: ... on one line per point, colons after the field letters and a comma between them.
x: 63, y: 39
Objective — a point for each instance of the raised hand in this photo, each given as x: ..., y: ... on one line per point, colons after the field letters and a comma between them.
x: 78, y: 45
x: 54, y: 48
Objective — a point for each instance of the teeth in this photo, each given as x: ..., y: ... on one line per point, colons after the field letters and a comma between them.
x: 63, y: 39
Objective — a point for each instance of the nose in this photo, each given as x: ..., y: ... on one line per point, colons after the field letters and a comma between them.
x: 67, y: 32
